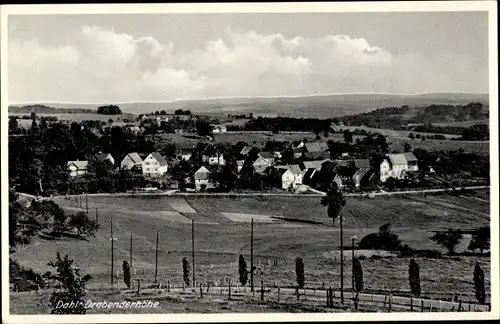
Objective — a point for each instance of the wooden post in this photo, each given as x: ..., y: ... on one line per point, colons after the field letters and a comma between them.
x: 208, y: 287
x: 411, y: 303
x: 138, y: 286
x: 390, y: 303
x: 192, y: 250
x: 459, y: 305
x: 278, y: 294
x: 156, y: 257
x: 229, y: 286
x: 183, y: 286
x: 430, y: 306
x: 130, y: 249
x: 201, y: 290
x: 112, y: 248
x: 87, y: 203
x: 422, y: 305
x: 305, y: 294
x: 356, y: 300
x: 262, y: 290
x: 251, y: 258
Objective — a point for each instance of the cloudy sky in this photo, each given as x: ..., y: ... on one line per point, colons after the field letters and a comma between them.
x: 164, y: 57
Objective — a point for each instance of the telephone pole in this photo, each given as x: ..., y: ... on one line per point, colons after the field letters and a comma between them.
x: 130, y: 249
x: 192, y: 249
x: 156, y: 262
x: 341, y: 262
x: 112, y: 248
x: 251, y: 257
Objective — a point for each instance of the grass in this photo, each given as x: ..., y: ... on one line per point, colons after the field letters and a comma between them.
x: 479, y: 147
x: 391, y: 132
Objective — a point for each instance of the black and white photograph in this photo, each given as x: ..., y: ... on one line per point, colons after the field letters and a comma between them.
x: 177, y: 162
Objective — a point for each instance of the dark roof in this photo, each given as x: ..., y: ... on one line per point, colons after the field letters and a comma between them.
x: 135, y: 157
x: 316, y: 147
x: 317, y: 155
x: 101, y: 156
x: 159, y: 158
x: 410, y: 157
x: 362, y: 163
x: 267, y: 155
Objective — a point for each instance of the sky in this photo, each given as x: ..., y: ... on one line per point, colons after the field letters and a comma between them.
x: 165, y: 57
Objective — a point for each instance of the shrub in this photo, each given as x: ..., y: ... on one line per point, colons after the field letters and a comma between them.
x: 385, y: 239
x: 479, y: 284
x: 414, y: 275
x: 299, y: 272
x: 448, y: 239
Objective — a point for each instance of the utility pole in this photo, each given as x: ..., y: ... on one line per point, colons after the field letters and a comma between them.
x: 341, y: 262
x: 130, y: 249
x: 156, y: 258
x: 353, y: 238
x: 192, y: 248
x: 112, y: 247
x: 251, y: 257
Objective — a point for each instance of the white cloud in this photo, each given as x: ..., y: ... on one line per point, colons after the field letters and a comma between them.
x: 101, y: 65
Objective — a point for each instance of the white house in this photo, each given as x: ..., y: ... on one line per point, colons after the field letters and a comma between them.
x: 239, y: 164
x: 154, y: 165
x: 292, y: 177
x: 397, y: 165
x: 77, y: 168
x: 130, y: 161
x: 202, y: 179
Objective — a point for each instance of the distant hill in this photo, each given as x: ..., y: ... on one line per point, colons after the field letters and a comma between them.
x: 43, y: 109
x: 320, y: 106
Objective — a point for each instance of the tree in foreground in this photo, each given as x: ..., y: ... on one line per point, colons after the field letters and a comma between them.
x: 126, y: 273
x: 414, y: 276
x: 479, y: 284
x: 358, y: 275
x: 242, y: 270
x: 185, y: 271
x: 449, y: 240
x: 73, y: 287
x: 299, y: 272
x: 334, y: 200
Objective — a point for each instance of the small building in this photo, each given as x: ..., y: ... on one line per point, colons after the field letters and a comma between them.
x: 268, y: 156
x: 297, y: 152
x: 245, y: 150
x: 292, y: 177
x: 316, y: 165
x: 134, y: 130
x: 316, y: 151
x: 77, y: 168
x: 101, y: 157
x: 216, y: 159
x: 361, y: 167
x: 202, y: 179
x: 154, y: 165
x: 398, y: 164
x: 131, y: 161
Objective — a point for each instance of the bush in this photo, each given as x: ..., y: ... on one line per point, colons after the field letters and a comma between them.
x: 385, y: 239
x: 126, y: 273
x: 185, y: 271
x: 358, y: 275
x: 449, y: 239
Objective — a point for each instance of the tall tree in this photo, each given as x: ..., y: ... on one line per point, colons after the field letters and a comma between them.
x: 299, y: 272
x: 84, y: 225
x: 185, y: 271
x: 479, y: 283
x: 242, y: 270
x: 480, y: 239
x: 414, y: 276
x: 448, y: 239
x: 334, y: 200
x: 358, y: 275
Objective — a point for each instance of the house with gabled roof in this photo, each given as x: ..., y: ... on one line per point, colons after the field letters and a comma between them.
x: 77, y: 168
x: 101, y: 157
x: 397, y: 165
x: 261, y: 164
x: 361, y: 168
x: 268, y: 156
x: 412, y: 161
x: 244, y: 151
x: 154, y: 165
x: 292, y: 177
x: 131, y: 161
x: 316, y: 151
x: 202, y: 179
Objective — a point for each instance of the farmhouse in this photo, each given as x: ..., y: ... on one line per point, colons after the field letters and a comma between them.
x: 397, y: 165
x: 77, y: 168
x: 202, y: 179
x: 154, y: 165
x: 292, y: 177
x: 316, y: 165
x: 101, y: 157
x: 412, y: 161
x: 268, y: 156
x: 130, y: 161
x: 219, y: 128
x: 239, y: 165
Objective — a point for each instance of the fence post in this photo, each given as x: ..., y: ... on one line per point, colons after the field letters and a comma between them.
x: 356, y: 301
x: 138, y: 286
x: 469, y: 307
x: 297, y: 292
x: 459, y: 305
x: 327, y: 297
x: 201, y: 290
x: 411, y: 303
x: 183, y: 286
x: 278, y: 294
x: 422, y: 305
x: 440, y: 306
x: 390, y: 303
x: 305, y: 293
x: 229, y: 290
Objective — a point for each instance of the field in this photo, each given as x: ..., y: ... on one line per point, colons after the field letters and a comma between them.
x: 26, y: 123
x: 478, y: 147
x: 389, y: 133
x: 285, y: 227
